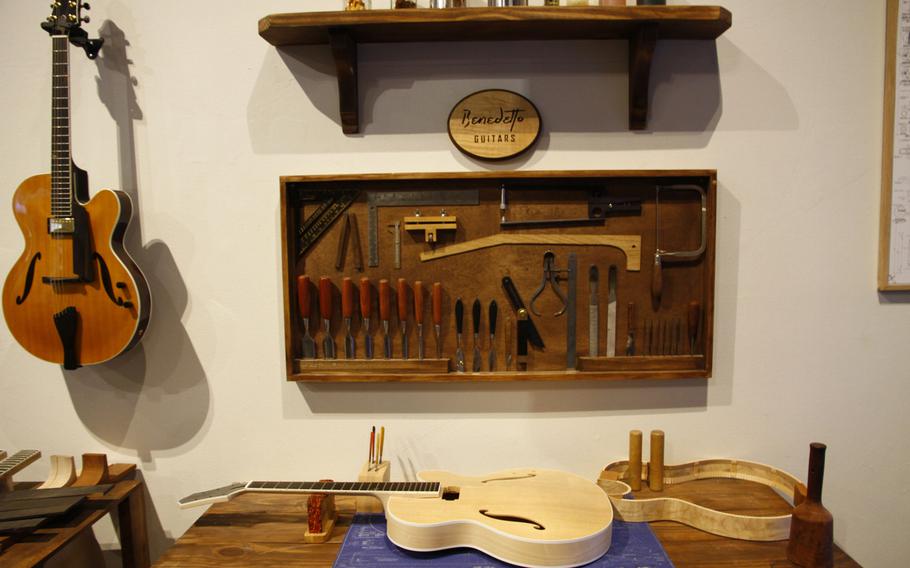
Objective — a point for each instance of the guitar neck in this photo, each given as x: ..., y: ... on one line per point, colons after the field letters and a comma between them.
x: 380, y: 489
x: 61, y: 154
x: 17, y: 461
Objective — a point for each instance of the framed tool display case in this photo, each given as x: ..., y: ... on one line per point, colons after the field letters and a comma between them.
x: 625, y: 258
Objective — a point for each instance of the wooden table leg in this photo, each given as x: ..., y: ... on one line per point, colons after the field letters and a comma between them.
x: 133, y: 530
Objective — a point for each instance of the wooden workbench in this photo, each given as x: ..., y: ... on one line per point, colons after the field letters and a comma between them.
x: 126, y: 498
x: 265, y: 530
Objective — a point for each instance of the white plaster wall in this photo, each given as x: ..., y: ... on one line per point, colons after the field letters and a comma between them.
x: 196, y: 117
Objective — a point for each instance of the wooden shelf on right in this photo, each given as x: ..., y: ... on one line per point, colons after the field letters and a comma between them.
x: 642, y: 26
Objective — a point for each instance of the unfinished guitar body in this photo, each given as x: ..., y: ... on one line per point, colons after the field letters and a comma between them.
x: 529, y: 517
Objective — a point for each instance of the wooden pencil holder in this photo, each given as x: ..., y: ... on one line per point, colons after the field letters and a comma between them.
x: 372, y: 472
x: 321, y: 517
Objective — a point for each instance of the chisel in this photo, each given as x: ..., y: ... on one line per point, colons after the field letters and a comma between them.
x: 437, y: 317
x: 630, y: 338
x: 475, y: 313
x: 304, y: 304
x: 385, y: 313
x: 366, y: 308
x: 418, y: 316
x: 347, y: 312
x: 508, y: 328
x: 593, y: 311
x: 459, y: 326
x: 403, y: 315
x: 325, y: 310
x: 494, y: 309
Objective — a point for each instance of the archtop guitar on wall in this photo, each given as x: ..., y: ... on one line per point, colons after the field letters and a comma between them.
x: 74, y: 297
x: 528, y: 517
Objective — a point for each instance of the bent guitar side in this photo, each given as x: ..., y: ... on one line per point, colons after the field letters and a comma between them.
x: 107, y: 314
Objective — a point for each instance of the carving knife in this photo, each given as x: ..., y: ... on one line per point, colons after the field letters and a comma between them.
x: 437, y: 317
x: 630, y: 338
x: 347, y: 312
x: 366, y: 308
x: 593, y: 310
x: 494, y: 309
x: 459, y: 326
x: 475, y: 319
x: 533, y: 336
x: 325, y: 310
x: 304, y: 304
x: 611, y: 312
x: 694, y: 317
x: 385, y: 312
x: 418, y: 316
x: 403, y: 315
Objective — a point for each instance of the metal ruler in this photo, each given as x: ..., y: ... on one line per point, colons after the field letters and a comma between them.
x: 331, y: 206
x: 377, y: 199
x: 571, y: 320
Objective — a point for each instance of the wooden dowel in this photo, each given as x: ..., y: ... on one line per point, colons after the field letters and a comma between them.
x: 635, y: 460
x: 656, y: 465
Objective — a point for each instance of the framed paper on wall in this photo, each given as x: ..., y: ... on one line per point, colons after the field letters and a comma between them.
x: 894, y: 234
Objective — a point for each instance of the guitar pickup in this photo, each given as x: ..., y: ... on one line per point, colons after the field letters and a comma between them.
x: 61, y: 225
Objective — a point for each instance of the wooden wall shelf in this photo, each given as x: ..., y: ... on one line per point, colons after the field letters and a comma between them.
x: 642, y: 26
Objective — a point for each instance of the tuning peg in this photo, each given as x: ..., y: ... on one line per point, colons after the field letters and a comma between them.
x: 86, y: 19
x: 86, y: 6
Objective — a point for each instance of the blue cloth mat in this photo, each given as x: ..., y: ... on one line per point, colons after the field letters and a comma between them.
x: 366, y: 546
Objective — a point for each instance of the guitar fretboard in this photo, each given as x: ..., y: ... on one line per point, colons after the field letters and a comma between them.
x: 17, y: 461
x: 61, y: 172
x: 347, y: 487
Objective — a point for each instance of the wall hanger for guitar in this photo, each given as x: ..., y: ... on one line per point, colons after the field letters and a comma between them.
x: 77, y: 35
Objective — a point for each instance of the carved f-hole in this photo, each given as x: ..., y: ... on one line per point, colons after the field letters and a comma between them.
x: 106, y: 280
x: 29, y: 279
x: 511, y: 519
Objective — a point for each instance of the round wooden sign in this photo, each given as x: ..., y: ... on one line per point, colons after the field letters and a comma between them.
x: 494, y: 124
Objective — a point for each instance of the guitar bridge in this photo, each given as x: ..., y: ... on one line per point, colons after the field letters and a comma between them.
x: 61, y: 225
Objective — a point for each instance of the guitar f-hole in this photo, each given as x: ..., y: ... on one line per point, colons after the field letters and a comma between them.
x: 512, y: 519
x: 29, y: 279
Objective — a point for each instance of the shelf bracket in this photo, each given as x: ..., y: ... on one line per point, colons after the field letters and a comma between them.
x: 344, y: 50
x: 641, y: 54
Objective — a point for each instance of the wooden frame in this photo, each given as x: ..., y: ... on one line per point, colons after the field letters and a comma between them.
x: 692, y: 280
x: 892, y: 38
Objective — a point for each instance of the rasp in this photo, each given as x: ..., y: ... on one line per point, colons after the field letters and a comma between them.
x: 366, y: 308
x: 593, y: 311
x: 403, y: 316
x: 475, y: 320
x: 385, y: 312
x: 418, y: 316
x: 304, y: 305
x: 347, y: 312
x: 459, y: 326
x: 325, y: 310
x: 630, y: 338
x: 494, y: 310
x: 611, y: 312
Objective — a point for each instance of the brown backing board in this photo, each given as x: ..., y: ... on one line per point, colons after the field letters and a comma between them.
x: 531, y: 195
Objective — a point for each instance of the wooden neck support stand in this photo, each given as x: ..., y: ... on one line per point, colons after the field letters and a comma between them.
x: 372, y: 472
x: 321, y: 517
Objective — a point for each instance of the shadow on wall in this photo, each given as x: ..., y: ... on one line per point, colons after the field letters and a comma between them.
x: 579, y: 87
x: 156, y: 396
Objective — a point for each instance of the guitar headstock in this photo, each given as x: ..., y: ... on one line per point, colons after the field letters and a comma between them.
x: 212, y: 496
x: 66, y: 15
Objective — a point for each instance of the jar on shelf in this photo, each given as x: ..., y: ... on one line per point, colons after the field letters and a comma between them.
x: 356, y: 4
x: 577, y: 3
x: 403, y: 4
x: 551, y: 3
x: 504, y: 3
x: 612, y: 2
x: 448, y: 4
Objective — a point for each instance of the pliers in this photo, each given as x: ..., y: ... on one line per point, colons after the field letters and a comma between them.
x: 551, y: 275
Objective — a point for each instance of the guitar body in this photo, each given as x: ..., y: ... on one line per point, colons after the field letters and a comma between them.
x: 529, y: 517
x: 75, y: 299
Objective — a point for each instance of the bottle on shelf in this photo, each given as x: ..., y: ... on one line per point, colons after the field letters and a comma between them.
x: 356, y: 4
